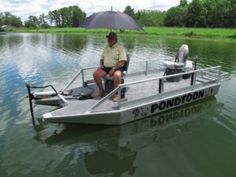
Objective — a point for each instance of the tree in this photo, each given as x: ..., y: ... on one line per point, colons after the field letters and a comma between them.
x: 77, y: 16
x: 71, y: 16
x: 202, y: 13
x: 150, y: 17
x: 230, y: 19
x: 32, y: 22
x: 174, y: 17
x: 7, y: 18
x: 196, y: 14
x: 42, y: 21
x: 216, y: 12
x: 177, y: 16
x: 183, y: 3
x: 54, y: 17
x: 129, y: 11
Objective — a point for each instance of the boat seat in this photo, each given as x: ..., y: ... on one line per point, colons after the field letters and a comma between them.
x: 179, y: 65
x: 109, y: 81
x: 173, y: 65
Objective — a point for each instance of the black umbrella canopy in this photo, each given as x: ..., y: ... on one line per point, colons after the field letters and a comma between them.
x: 111, y: 20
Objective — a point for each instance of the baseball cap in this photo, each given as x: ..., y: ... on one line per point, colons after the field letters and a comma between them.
x: 111, y: 35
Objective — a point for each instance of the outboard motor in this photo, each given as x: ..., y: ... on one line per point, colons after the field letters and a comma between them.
x: 181, y: 64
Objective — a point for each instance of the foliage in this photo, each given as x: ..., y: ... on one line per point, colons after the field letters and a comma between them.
x: 32, y: 22
x: 197, y: 13
x: 146, y: 17
x: 43, y: 21
x: 37, y: 22
x: 202, y: 13
x: 7, y: 18
x: 71, y: 16
x: 129, y: 11
x: 150, y: 17
x: 175, y: 16
x: 183, y: 3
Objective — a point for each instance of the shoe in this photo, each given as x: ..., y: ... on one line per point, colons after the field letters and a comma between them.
x: 115, y: 98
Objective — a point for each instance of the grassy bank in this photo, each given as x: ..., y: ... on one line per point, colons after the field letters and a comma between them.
x: 215, y: 33
x: 194, y: 32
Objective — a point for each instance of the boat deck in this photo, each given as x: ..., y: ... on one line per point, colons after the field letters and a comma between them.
x: 134, y: 92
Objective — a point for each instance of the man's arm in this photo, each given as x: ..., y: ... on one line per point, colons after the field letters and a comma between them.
x: 101, y: 64
x: 119, y: 64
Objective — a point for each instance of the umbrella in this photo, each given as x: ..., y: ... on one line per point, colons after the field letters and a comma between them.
x: 111, y: 20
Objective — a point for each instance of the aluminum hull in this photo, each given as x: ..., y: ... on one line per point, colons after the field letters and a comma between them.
x: 127, y: 114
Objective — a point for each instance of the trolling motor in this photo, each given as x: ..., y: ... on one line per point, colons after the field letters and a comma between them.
x: 41, y: 95
x: 31, y: 97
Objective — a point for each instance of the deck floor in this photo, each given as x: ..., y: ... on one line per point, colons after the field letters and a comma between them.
x: 134, y: 92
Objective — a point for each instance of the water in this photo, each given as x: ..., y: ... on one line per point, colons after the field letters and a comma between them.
x: 196, y: 140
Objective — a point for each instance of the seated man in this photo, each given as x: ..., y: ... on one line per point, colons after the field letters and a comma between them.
x: 112, y: 60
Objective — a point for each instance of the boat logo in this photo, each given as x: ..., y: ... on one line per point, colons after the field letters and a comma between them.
x: 170, y: 103
x: 142, y: 111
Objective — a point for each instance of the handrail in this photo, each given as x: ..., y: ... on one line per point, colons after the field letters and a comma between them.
x: 169, y: 76
x: 104, y: 99
x: 72, y: 80
x: 139, y: 61
x: 92, y: 67
x: 83, y: 69
x: 120, y: 86
x: 76, y: 76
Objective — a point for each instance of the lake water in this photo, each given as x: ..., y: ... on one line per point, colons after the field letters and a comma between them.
x: 195, y: 140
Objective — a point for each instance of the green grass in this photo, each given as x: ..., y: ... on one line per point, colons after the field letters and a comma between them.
x: 193, y: 32
x: 212, y: 33
x: 60, y: 30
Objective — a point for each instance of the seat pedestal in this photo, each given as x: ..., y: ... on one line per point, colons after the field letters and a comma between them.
x: 109, y: 86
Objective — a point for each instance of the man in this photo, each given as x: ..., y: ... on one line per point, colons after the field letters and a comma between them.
x: 112, y: 60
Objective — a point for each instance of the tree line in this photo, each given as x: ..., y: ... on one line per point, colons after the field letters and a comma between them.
x: 202, y: 13
x: 71, y: 16
x: 197, y: 13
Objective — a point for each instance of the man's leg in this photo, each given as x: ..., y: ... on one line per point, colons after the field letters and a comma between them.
x: 117, y: 78
x: 98, y: 75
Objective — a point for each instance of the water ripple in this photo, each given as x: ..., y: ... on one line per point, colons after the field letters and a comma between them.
x: 202, y: 134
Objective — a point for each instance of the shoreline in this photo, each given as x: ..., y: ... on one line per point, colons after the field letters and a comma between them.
x: 192, y: 33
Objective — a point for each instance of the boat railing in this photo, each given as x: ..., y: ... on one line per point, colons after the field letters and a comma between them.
x: 205, y: 70
x: 198, y: 78
x: 108, y: 96
x: 80, y: 73
x: 145, y: 66
x: 153, y: 65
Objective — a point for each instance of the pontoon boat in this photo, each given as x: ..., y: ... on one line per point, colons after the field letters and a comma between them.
x: 143, y: 94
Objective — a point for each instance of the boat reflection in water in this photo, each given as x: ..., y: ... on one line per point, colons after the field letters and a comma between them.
x: 113, y: 150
